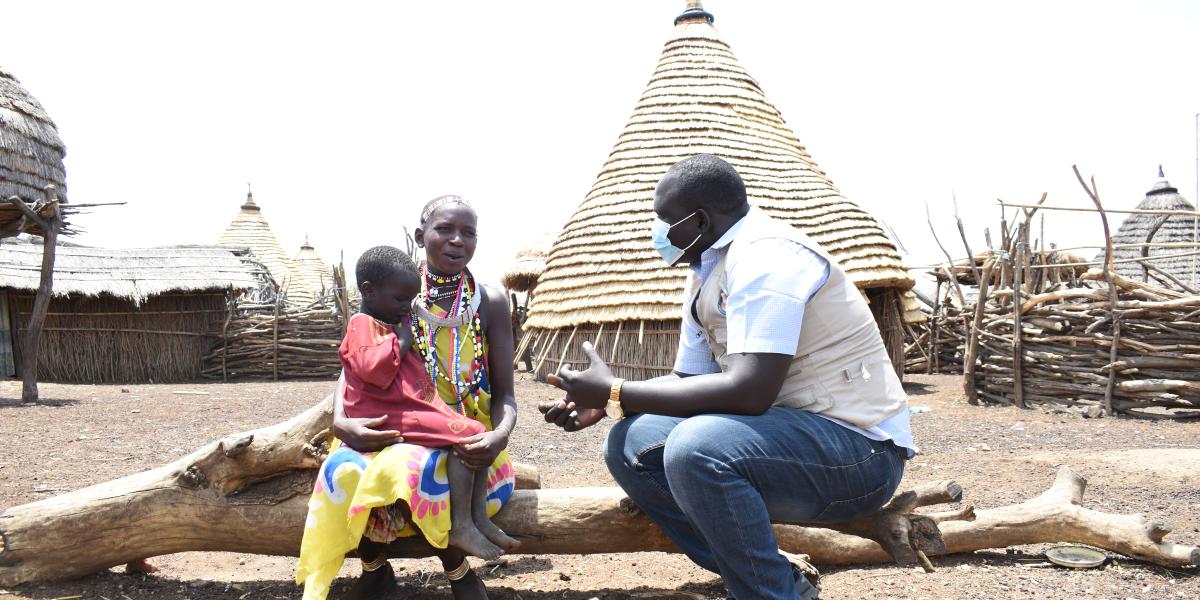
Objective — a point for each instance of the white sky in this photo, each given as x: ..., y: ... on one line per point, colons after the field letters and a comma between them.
x: 348, y: 116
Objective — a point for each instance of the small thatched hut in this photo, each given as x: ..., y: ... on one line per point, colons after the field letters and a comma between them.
x: 250, y: 230
x: 31, y: 153
x: 311, y: 277
x: 121, y: 315
x: 1150, y: 235
x: 528, y: 265
x: 603, y: 282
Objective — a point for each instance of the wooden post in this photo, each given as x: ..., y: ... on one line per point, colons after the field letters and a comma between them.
x: 973, y: 334
x: 1109, y: 269
x: 225, y: 339
x: 41, y: 303
x: 275, y: 342
x: 930, y: 363
x: 1018, y: 347
x: 616, y: 339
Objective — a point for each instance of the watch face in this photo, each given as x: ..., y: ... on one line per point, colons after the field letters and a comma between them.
x: 613, y: 410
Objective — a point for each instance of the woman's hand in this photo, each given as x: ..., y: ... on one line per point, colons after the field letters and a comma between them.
x: 585, y: 389
x: 479, y: 451
x: 567, y: 416
x: 361, y: 434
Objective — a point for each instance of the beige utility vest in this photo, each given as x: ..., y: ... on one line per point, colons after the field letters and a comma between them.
x: 841, y: 369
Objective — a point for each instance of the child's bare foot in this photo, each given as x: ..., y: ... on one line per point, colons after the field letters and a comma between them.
x: 470, y: 540
x: 496, y: 535
x: 373, y: 584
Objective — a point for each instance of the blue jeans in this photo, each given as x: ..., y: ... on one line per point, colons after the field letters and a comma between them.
x: 713, y: 483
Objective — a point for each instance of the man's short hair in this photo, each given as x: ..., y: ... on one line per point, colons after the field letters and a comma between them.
x: 381, y: 262
x: 710, y: 182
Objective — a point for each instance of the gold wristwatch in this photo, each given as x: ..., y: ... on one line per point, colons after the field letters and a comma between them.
x: 613, y: 408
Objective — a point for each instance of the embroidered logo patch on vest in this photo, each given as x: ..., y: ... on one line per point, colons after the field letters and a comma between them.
x: 722, y: 301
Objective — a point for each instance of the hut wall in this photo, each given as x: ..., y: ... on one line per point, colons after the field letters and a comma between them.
x: 646, y: 349
x: 107, y: 339
x: 7, y: 362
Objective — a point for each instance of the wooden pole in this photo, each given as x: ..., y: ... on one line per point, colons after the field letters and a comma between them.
x: 41, y: 303
x: 931, y: 363
x: 225, y: 340
x: 1018, y: 346
x: 1109, y: 269
x: 275, y: 342
x: 973, y: 343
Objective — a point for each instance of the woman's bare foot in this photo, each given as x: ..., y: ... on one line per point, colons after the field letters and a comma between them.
x: 470, y: 587
x: 467, y: 538
x: 373, y: 584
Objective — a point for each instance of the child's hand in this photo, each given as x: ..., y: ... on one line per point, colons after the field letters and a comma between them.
x: 478, y: 452
x: 404, y: 337
x: 360, y: 434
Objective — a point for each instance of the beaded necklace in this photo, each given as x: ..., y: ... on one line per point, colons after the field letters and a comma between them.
x: 424, y: 336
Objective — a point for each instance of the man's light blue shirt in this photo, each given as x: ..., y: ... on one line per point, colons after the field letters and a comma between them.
x: 768, y: 286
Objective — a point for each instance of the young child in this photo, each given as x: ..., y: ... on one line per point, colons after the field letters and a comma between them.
x: 384, y: 378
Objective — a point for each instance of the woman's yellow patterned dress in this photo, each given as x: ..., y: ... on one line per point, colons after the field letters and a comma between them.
x: 356, y: 493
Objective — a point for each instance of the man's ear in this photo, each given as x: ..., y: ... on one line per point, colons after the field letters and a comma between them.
x: 419, y: 237
x: 703, y: 222
x: 366, y: 288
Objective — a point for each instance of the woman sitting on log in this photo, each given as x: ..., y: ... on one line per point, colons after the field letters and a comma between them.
x: 463, y: 334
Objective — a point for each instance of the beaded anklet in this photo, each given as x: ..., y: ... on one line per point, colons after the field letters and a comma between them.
x: 375, y: 565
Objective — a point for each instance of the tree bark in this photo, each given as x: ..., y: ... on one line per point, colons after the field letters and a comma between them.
x: 248, y: 493
x: 41, y: 303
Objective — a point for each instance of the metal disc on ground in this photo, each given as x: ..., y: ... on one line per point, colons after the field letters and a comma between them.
x: 1076, y: 557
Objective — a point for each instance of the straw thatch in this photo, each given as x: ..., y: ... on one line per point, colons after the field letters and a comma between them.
x: 31, y: 153
x: 133, y: 274
x: 311, y: 277
x: 250, y: 230
x: 528, y: 265
x: 1172, y: 232
x: 602, y: 269
x: 123, y: 315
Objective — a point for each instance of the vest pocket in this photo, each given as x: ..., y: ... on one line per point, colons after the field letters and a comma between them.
x: 813, y: 398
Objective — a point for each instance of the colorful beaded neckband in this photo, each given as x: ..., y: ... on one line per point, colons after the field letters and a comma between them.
x: 464, y: 311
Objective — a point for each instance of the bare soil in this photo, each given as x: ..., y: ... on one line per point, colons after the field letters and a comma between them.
x: 83, y: 435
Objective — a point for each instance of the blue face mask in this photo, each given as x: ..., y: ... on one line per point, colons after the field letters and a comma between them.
x: 658, y: 237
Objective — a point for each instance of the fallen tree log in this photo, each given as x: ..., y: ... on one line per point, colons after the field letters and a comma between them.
x: 248, y: 493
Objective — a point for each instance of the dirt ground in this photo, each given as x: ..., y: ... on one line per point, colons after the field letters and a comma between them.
x: 82, y: 435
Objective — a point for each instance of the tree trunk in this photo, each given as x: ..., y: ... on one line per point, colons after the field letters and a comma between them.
x: 248, y: 493
x: 41, y: 303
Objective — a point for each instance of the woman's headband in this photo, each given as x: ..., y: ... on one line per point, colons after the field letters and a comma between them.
x: 439, y: 202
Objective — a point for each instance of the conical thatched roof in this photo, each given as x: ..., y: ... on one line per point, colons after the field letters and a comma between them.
x: 529, y: 264
x: 311, y: 276
x: 31, y: 153
x: 249, y: 229
x: 699, y: 100
x: 1176, y: 229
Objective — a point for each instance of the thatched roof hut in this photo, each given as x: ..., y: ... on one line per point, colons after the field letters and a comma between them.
x: 311, y: 276
x: 1171, y: 233
x: 121, y: 314
x: 602, y: 270
x: 528, y: 265
x: 250, y: 230
x: 31, y: 153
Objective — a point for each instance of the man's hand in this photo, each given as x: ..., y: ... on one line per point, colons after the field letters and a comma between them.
x: 478, y: 452
x: 360, y: 434
x: 565, y: 415
x: 585, y: 389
